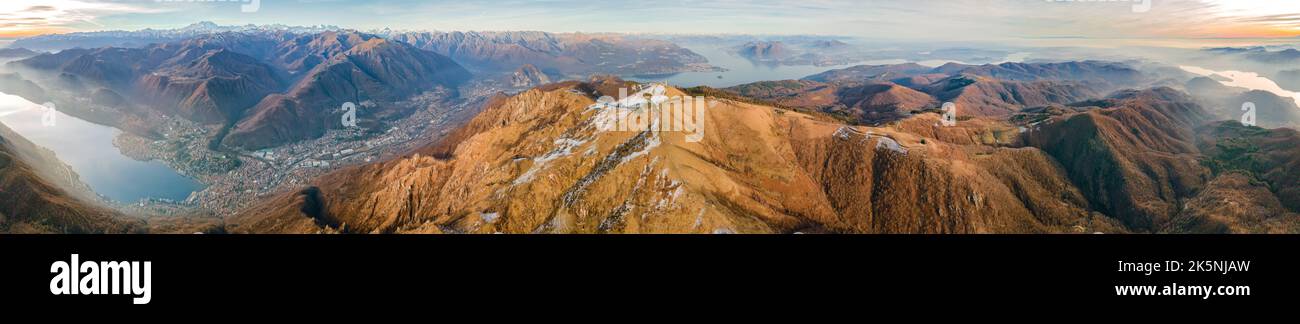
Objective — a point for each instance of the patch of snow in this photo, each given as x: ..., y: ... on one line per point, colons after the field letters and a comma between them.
x: 845, y: 132
x: 842, y: 133
x: 890, y: 144
x: 660, y: 204
x: 651, y: 142
x: 610, y: 112
x: 636, y: 99
x: 564, y: 148
x: 489, y: 217
x: 527, y: 176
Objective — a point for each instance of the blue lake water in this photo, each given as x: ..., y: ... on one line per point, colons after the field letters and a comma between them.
x: 88, y: 149
x: 1248, y: 80
x: 739, y: 71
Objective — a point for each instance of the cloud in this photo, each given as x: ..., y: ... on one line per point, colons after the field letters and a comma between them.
x: 27, y: 17
x: 922, y: 20
x: 40, y: 8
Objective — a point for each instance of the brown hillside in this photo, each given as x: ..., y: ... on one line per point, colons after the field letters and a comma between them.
x: 534, y: 163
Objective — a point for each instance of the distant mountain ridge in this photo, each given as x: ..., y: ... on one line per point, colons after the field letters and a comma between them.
x: 872, y: 94
x: 145, y: 37
x: 258, y: 82
x: 576, y: 54
x: 16, y: 52
x: 1144, y: 161
x: 1271, y: 110
x: 796, y: 50
x: 373, y: 70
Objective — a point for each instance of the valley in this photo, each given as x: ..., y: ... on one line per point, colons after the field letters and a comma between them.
x: 246, y: 130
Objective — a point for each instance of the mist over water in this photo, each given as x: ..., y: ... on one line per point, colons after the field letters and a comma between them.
x: 1248, y: 80
x: 743, y: 71
x: 88, y: 149
x: 739, y: 71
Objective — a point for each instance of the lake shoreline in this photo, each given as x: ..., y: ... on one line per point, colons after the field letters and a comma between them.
x: 88, y: 148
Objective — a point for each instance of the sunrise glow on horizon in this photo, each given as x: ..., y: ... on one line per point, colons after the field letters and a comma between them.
x: 919, y: 20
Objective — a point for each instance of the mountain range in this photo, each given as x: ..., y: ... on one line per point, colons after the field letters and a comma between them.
x: 1042, y: 147
x: 573, y: 55
x: 1146, y: 161
x: 272, y: 85
x: 1226, y: 103
x: 873, y: 94
x: 269, y: 89
x: 146, y: 37
x: 800, y: 51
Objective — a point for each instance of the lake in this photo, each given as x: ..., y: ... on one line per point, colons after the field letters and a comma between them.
x: 1248, y: 80
x: 739, y: 71
x: 88, y: 149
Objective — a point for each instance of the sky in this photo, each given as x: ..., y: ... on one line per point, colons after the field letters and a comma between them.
x: 927, y: 20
